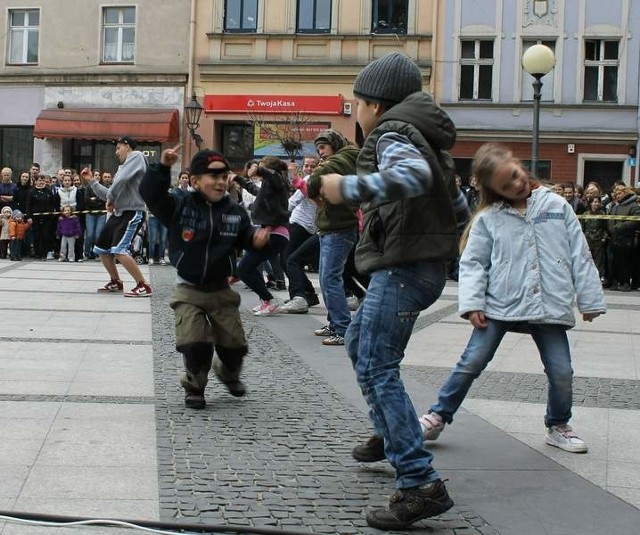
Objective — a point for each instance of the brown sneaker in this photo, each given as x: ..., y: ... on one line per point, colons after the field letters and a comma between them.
x: 407, y: 506
x: 371, y: 451
x: 142, y: 289
x: 112, y: 286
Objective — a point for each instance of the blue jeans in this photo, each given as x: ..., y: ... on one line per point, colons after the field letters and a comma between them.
x: 375, y: 342
x: 157, y: 238
x: 94, y: 224
x: 334, y: 251
x: 554, y: 350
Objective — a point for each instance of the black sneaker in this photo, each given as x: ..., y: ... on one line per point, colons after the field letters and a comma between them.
x: 194, y: 400
x: 236, y: 388
x: 371, y: 451
x: 407, y: 506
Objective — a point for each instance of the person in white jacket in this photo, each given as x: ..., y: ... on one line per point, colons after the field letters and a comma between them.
x: 523, y: 266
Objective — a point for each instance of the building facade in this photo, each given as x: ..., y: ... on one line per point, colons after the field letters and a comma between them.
x: 77, y: 75
x: 272, y: 70
x: 589, y: 105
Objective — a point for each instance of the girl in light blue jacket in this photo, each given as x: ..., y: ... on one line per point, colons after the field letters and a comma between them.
x: 525, y: 262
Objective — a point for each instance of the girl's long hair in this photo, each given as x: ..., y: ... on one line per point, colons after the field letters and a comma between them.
x: 488, y: 158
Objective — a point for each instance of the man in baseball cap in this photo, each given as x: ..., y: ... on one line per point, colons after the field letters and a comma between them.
x: 128, y: 212
x: 127, y: 140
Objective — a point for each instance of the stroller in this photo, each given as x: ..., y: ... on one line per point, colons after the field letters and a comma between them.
x: 140, y: 244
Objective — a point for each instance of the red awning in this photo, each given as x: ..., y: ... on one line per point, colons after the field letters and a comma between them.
x: 142, y: 124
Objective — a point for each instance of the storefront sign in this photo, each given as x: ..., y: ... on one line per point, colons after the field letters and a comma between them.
x: 319, y: 105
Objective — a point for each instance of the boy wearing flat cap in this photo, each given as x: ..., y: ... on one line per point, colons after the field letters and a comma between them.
x: 205, y: 229
x: 412, y: 214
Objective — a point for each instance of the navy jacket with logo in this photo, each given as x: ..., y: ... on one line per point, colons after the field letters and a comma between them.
x: 203, y: 236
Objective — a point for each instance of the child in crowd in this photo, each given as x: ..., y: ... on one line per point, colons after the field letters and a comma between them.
x: 5, y: 218
x: 205, y: 228
x: 18, y: 228
x: 68, y: 231
x: 524, y: 263
x: 269, y: 210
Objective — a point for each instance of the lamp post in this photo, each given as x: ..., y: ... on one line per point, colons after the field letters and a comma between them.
x: 192, y: 113
x: 537, y: 60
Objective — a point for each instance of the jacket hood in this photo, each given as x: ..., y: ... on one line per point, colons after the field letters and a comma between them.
x: 628, y: 199
x: 421, y: 111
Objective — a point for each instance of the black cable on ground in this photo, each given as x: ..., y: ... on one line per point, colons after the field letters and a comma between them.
x: 178, y: 527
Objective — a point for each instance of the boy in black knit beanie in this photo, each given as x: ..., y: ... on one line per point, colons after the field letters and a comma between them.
x: 413, y: 211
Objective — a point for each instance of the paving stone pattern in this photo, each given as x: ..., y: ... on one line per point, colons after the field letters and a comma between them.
x: 532, y: 388
x: 279, y: 458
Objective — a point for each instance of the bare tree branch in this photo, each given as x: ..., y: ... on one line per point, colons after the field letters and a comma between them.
x: 288, y: 130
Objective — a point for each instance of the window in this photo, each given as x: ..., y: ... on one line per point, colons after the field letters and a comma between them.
x: 544, y: 168
x: 476, y: 69
x: 241, y: 15
x: 16, y: 147
x: 527, y: 80
x: 24, y: 36
x: 314, y: 16
x: 118, y: 34
x: 389, y: 16
x: 237, y: 143
x: 601, y: 70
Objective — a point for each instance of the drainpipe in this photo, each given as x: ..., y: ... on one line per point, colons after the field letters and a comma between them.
x: 434, y: 46
x: 192, y: 39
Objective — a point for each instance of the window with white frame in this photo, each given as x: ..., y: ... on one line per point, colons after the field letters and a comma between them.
x: 314, y: 16
x: 118, y: 34
x: 24, y: 36
x: 527, y: 80
x: 240, y: 15
x: 389, y: 16
x: 476, y: 69
x: 601, y: 62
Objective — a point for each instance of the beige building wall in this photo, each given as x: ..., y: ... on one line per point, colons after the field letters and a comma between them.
x: 275, y: 60
x: 71, y: 42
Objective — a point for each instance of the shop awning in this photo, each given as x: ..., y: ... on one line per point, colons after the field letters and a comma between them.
x: 142, y: 124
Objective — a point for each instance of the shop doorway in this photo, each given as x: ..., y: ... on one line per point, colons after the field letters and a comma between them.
x: 603, y: 169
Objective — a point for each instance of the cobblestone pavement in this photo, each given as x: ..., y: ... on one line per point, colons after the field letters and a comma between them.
x: 532, y: 388
x: 278, y: 458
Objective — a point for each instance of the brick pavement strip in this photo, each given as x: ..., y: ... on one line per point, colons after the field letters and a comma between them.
x: 279, y: 457
x: 532, y: 387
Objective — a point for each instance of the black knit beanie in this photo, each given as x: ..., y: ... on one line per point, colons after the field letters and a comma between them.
x: 391, y: 78
x: 331, y: 137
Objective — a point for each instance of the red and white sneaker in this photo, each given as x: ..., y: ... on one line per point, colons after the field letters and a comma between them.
x: 142, y: 289
x: 112, y: 286
x: 267, y: 308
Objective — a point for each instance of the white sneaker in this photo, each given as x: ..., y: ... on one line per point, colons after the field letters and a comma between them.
x: 268, y: 308
x: 50, y: 255
x: 163, y: 262
x: 297, y: 305
x: 565, y: 438
x: 324, y: 331
x: 150, y: 262
x: 432, y: 425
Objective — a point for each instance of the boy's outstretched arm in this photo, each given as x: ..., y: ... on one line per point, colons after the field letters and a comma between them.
x: 403, y: 173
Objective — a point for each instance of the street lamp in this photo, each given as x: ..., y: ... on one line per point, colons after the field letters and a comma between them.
x: 537, y: 60
x: 192, y: 113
